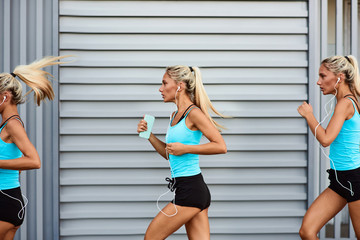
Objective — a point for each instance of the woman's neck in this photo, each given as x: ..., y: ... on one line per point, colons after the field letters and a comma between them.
x: 342, y: 91
x: 9, y: 111
x: 183, y: 102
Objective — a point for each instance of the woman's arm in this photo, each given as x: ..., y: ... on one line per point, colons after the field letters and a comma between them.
x: 343, y: 110
x: 158, y: 145
x: 30, y: 159
x: 216, y: 143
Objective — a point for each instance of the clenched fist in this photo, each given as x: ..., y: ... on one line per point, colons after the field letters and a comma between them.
x: 176, y: 148
x: 305, y: 109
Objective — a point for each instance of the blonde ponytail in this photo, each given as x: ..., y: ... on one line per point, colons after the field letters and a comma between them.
x: 355, y: 76
x: 195, y: 88
x: 347, y: 65
x: 202, y: 99
x: 34, y: 77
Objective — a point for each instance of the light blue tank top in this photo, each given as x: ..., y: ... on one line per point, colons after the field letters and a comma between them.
x: 344, y: 150
x: 187, y: 164
x: 9, y: 178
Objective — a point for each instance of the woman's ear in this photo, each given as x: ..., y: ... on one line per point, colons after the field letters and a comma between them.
x: 342, y: 77
x: 6, y: 96
x: 181, y: 86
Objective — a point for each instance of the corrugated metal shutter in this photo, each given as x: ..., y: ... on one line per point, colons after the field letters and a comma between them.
x: 254, y: 59
x: 24, y: 38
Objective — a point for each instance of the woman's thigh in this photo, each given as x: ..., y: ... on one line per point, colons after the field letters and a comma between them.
x: 163, y: 226
x: 354, y: 209
x: 324, y: 208
x: 198, y: 227
x: 5, y: 227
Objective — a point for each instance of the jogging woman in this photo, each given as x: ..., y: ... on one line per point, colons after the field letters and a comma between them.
x: 183, y: 86
x: 339, y: 76
x: 16, y: 151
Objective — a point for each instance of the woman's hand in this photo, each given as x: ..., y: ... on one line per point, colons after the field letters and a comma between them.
x: 305, y: 109
x: 176, y: 148
x: 155, y: 142
x: 142, y: 126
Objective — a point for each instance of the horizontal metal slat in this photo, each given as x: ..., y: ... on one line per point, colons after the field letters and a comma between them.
x: 117, y: 126
x: 190, y: 58
x: 135, y: 226
x: 182, y: 25
x: 159, y: 109
x: 73, y: 41
x: 178, y: 8
x: 141, y: 193
x: 134, y: 143
x: 182, y: 236
x: 213, y: 176
x: 216, y: 76
x: 148, y: 209
x: 83, y: 92
x: 244, y: 159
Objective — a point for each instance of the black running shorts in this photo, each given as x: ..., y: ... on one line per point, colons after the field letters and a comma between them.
x: 191, y: 192
x: 10, y: 208
x: 344, y: 177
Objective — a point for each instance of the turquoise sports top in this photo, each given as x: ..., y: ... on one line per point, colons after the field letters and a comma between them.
x: 9, y: 178
x: 344, y: 150
x: 187, y: 164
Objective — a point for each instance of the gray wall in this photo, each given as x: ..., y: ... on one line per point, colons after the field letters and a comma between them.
x: 28, y: 32
x: 254, y: 59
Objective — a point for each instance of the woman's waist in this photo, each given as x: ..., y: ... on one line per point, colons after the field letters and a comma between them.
x: 7, y: 172
x: 185, y: 175
x: 349, y: 150
x: 9, y: 155
x: 197, y: 176
x: 184, y: 168
x: 344, y: 163
x: 9, y: 180
x: 185, y: 157
x: 189, y: 161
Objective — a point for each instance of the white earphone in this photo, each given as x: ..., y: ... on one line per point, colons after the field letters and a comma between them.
x: 3, y: 100
x: 178, y: 88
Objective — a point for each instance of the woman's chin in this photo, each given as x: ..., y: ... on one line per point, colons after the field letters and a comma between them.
x: 324, y: 93
x: 167, y: 100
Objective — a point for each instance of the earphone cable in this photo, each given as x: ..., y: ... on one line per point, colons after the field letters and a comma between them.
x: 322, y: 149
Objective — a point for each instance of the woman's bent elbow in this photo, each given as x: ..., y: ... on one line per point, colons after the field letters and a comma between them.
x: 223, y: 149
x: 36, y: 164
x: 325, y: 143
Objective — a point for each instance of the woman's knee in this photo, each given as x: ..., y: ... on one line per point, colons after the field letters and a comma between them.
x: 146, y: 237
x: 11, y: 233
x: 149, y: 236
x: 307, y: 233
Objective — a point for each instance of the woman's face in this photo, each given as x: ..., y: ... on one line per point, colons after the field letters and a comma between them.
x: 168, y: 88
x: 327, y: 80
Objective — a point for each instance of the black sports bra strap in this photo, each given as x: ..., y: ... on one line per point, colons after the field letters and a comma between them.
x: 348, y: 95
x: 17, y: 117
x: 183, y: 115
x: 357, y: 106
